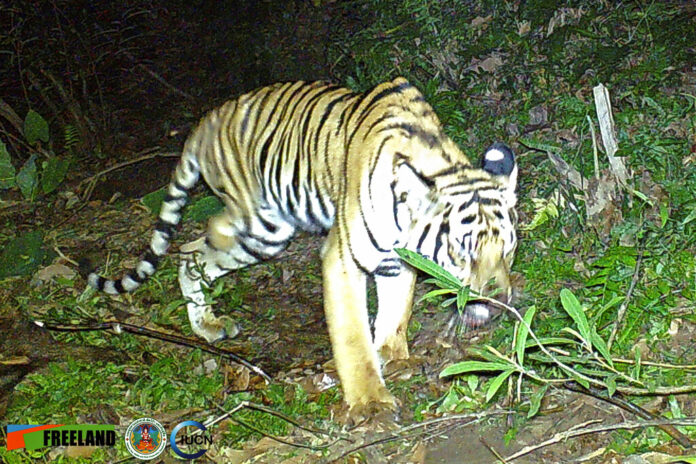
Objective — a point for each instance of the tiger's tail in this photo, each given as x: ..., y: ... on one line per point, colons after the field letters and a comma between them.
x: 185, y: 177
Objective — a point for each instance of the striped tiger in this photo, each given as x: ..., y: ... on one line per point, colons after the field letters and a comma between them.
x: 376, y: 172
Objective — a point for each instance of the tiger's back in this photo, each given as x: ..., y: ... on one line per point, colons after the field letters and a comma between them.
x: 377, y: 172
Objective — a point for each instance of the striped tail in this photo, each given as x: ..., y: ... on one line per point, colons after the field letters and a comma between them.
x: 185, y: 177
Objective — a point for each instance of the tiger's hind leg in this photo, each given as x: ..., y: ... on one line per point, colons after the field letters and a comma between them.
x: 222, y: 250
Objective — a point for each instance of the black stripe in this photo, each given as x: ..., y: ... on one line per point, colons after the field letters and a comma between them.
x: 269, y: 226
x: 422, y: 238
x: 429, y: 138
x: 171, y: 198
x: 100, y: 282
x: 134, y: 276
x: 325, y: 116
x: 489, y: 201
x: 165, y: 227
x: 151, y: 258
x: 369, y: 233
x: 178, y: 186
x: 426, y: 180
x: 387, y: 271
x: 210, y: 245
x: 468, y: 219
x: 118, y: 286
x: 251, y: 252
x: 441, y: 237
x: 454, y: 169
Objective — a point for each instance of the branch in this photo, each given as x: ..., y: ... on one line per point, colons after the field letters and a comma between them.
x: 119, y: 327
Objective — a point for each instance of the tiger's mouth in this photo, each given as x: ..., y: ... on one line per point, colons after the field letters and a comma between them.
x: 476, y: 315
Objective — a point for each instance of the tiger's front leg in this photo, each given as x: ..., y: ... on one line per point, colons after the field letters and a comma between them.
x: 345, y: 304
x: 394, y: 302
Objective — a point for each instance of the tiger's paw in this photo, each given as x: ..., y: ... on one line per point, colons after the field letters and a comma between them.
x: 374, y: 416
x: 376, y: 406
x: 212, y: 329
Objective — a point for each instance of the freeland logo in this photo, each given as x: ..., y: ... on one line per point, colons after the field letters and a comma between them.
x: 188, y: 440
x: 34, y: 437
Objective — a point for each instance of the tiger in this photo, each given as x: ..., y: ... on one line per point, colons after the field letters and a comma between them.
x: 373, y: 172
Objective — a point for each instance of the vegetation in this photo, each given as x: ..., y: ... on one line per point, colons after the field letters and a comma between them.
x: 606, y: 301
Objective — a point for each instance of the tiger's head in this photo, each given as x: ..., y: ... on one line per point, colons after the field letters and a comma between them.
x: 475, y: 238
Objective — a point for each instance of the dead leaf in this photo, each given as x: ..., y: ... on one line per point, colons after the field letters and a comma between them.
x: 523, y: 28
x: 15, y: 361
x: 490, y: 64
x: 418, y: 453
x: 52, y: 271
x: 236, y: 377
x: 479, y: 21
x: 75, y: 452
x: 538, y: 115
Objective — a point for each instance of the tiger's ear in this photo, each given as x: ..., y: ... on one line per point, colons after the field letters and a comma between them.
x: 499, y: 160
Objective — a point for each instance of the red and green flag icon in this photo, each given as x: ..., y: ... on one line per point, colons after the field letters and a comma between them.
x: 34, y: 437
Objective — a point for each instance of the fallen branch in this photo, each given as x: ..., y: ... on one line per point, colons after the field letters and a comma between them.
x: 149, y: 154
x: 626, y: 405
x: 119, y: 327
x: 584, y: 429
x: 442, y: 424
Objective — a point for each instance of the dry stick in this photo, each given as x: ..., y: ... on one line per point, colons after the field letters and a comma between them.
x: 618, y: 401
x: 151, y: 153
x: 576, y: 432
x: 624, y: 304
x: 171, y: 338
x: 249, y: 405
x: 401, y: 435
x: 147, y: 154
x: 492, y: 450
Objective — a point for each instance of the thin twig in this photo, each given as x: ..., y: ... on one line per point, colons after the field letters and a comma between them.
x: 149, y: 154
x: 576, y: 432
x: 624, y: 304
x: 541, y: 346
x: 401, y: 434
x: 618, y: 401
x: 249, y: 405
x: 119, y: 327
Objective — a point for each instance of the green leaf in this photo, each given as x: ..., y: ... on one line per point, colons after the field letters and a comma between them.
x: 429, y: 267
x: 689, y: 217
x: 577, y: 377
x: 462, y: 296
x: 53, y: 174
x: 535, y: 400
x: 550, y: 341
x: 435, y: 293
x: 473, y: 366
x: 687, y: 459
x: 23, y: 255
x: 35, y: 128
x: 522, y: 333
x: 601, y: 346
x: 495, y: 384
x: 574, y: 309
x: 28, y: 178
x: 203, y: 209
x: 611, y: 384
x: 7, y: 171
x: 153, y: 200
